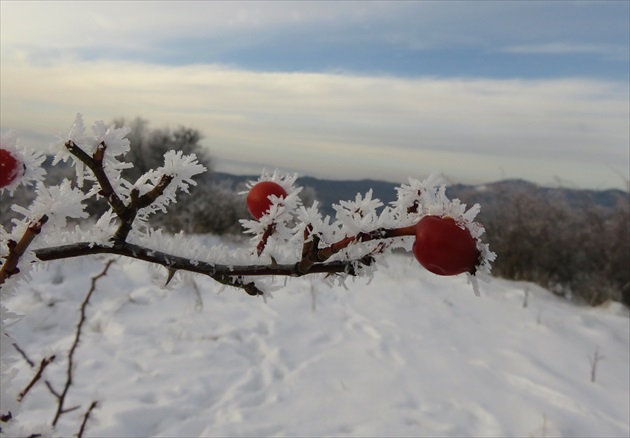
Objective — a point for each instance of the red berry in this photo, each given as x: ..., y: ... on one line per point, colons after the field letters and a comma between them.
x: 258, y: 201
x: 9, y: 168
x: 443, y: 247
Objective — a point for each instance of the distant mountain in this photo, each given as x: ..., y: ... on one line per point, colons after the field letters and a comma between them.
x: 329, y: 192
x: 490, y: 195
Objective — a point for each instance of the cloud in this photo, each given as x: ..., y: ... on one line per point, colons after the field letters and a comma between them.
x: 142, y: 25
x: 604, y: 50
x: 142, y: 28
x: 340, y: 124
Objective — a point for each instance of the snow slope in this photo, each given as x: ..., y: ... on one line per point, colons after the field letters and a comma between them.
x: 410, y: 354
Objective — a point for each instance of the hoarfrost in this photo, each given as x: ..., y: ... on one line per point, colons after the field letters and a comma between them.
x: 31, y: 171
x: 57, y: 202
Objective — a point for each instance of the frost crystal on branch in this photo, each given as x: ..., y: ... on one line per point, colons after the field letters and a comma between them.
x: 111, y: 137
x: 57, y: 202
x: 180, y: 169
x: 358, y: 216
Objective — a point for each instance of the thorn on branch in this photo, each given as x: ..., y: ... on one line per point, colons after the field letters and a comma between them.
x: 171, y: 274
x: 238, y: 281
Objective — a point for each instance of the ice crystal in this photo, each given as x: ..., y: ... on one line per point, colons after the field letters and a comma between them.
x: 57, y: 203
x: 359, y: 215
x: 31, y: 171
x: 181, y: 168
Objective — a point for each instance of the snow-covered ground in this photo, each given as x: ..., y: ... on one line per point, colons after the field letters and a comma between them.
x: 410, y: 354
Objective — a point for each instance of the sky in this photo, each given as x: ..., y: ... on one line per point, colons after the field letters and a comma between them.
x: 477, y: 91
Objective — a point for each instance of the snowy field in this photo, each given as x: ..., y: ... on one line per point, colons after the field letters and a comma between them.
x: 410, y: 354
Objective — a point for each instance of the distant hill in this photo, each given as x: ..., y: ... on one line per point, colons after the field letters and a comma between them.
x: 489, y: 195
x: 329, y: 192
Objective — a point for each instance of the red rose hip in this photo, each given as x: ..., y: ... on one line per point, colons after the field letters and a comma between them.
x: 443, y: 247
x: 9, y: 168
x: 258, y: 201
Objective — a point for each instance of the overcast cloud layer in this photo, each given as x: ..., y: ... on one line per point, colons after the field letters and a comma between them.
x: 476, y: 90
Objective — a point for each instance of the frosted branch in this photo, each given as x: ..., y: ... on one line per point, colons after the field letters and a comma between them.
x: 17, y: 249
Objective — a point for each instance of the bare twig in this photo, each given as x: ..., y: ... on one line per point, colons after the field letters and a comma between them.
x: 526, y: 297
x: 52, y: 390
x: 17, y: 249
x: 23, y: 354
x: 32, y: 365
x: 75, y: 344
x: 42, y: 366
x: 93, y: 406
x: 594, y: 360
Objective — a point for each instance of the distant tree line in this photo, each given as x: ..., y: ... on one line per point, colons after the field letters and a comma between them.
x: 579, y: 252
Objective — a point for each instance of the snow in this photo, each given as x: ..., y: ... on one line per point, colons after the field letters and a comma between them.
x: 409, y: 354
x: 398, y: 352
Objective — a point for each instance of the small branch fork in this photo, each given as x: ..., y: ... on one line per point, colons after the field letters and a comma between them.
x: 126, y: 213
x: 315, y: 259
x: 42, y: 366
x: 38, y: 375
x: 61, y: 397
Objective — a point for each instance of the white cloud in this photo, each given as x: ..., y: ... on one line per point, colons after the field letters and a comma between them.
x: 358, y: 126
x: 143, y: 24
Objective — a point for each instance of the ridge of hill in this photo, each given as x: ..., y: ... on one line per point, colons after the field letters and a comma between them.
x: 329, y: 192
